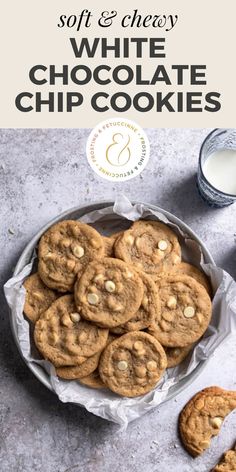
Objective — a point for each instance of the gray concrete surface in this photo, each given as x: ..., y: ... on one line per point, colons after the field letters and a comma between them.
x: 43, y: 172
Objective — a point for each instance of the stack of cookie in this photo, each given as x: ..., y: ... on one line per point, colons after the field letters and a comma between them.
x: 115, y: 311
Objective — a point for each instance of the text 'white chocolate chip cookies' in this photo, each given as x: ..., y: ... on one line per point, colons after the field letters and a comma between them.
x: 150, y: 246
x: 109, y: 292
x: 132, y: 364
x: 65, y: 250
x: 185, y: 311
x: 38, y: 297
x: 202, y: 417
x: 64, y: 338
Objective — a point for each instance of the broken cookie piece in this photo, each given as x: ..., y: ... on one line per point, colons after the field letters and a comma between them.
x: 202, y: 417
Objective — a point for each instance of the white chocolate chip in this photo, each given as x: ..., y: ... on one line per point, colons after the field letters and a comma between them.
x: 38, y: 295
x: 95, y: 243
x: 118, y: 307
x: 145, y: 301
x: 93, y: 298
x: 200, y: 318
x: 138, y: 345
x: 78, y: 251
x: 75, y: 317
x: 98, y: 278
x: 129, y: 240
x: 138, y: 242
x: 110, y: 286
x: 122, y: 365
x: 171, y: 302
x: 151, y: 365
x: 129, y: 274
x: 176, y: 259
x: 204, y: 444
x: 66, y: 321
x: 189, y: 312
x: 140, y: 371
x: 55, y: 338
x: 113, y: 305
x: 162, y: 244
x: 216, y: 422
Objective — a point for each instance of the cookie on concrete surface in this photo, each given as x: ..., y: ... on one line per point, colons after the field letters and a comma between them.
x: 228, y: 462
x: 203, y: 416
x: 65, y: 250
x: 38, y: 297
x: 132, y: 364
x: 64, y: 338
x: 150, y: 246
x: 109, y: 292
x: 148, y: 310
x: 185, y: 311
x: 93, y: 380
x: 195, y: 273
x: 175, y: 355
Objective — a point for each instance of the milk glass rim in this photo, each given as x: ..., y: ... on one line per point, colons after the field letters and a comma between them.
x: 224, y: 130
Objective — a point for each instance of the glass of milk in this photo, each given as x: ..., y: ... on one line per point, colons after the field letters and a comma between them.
x: 216, y: 177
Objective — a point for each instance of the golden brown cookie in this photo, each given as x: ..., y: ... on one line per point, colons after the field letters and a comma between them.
x: 175, y: 355
x: 64, y: 252
x: 132, y: 364
x: 185, y: 311
x: 195, y: 273
x: 228, y: 462
x: 150, y: 246
x: 148, y: 310
x: 109, y: 292
x: 203, y: 416
x: 109, y: 242
x: 78, y: 371
x: 82, y: 370
x: 93, y: 380
x: 38, y: 297
x: 64, y: 338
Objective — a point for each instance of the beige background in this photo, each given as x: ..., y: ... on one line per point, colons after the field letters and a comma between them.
x: 204, y: 34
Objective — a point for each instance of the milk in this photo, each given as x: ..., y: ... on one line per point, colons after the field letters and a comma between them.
x: 220, y: 170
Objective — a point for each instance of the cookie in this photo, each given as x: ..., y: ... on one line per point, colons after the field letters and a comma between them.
x: 109, y: 292
x: 84, y: 369
x: 38, y: 297
x: 132, y: 364
x: 203, y: 416
x: 64, y: 252
x: 78, y: 371
x: 148, y: 310
x: 185, y: 311
x: 175, y: 355
x: 150, y: 246
x: 195, y: 273
x: 64, y: 338
x: 93, y: 380
x: 227, y: 463
x: 109, y: 242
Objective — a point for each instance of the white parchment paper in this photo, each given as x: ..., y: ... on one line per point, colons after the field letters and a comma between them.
x: 103, y: 402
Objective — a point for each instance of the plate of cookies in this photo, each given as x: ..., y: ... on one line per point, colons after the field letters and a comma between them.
x: 117, y: 306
